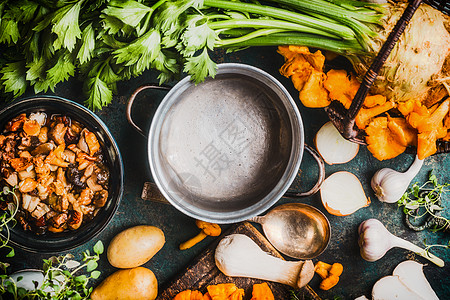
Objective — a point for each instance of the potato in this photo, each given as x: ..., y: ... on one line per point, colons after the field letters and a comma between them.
x: 130, y: 284
x: 135, y: 246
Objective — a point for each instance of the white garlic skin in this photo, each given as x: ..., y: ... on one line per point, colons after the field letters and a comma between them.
x: 373, y: 240
x: 390, y: 185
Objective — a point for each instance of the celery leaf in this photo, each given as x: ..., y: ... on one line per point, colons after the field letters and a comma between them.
x: 100, y: 94
x: 111, y: 25
x: 66, y: 26
x: 14, y: 78
x: 88, y: 45
x: 200, y: 66
x: 36, y: 69
x: 23, y: 10
x: 129, y: 12
x: 62, y: 70
x: 141, y: 52
x: 197, y: 37
x: 9, y: 31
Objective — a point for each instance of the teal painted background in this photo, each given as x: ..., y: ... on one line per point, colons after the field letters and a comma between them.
x: 358, y: 276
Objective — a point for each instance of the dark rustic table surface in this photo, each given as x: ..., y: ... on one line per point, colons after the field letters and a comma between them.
x: 358, y: 276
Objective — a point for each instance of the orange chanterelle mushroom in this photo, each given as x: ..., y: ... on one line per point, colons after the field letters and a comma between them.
x: 57, y: 168
x: 207, y: 229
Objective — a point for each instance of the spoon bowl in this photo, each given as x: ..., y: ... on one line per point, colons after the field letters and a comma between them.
x: 295, y: 229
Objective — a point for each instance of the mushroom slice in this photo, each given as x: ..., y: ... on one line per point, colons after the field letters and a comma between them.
x: 82, y: 144
x: 92, y: 183
x: 41, y: 210
x: 57, y: 133
x: 12, y: 179
x: 75, y: 219
x: 29, y: 202
x: 45, y: 149
x: 100, y: 198
x: 39, y: 117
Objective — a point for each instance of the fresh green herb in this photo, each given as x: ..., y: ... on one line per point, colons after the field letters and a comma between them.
x: 61, y: 278
x: 103, y: 42
x: 9, y: 206
x: 423, y: 200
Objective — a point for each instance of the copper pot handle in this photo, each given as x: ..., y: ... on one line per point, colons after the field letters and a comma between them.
x: 131, y: 101
x: 320, y: 179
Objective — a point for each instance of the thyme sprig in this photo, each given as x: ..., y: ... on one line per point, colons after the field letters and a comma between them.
x: 429, y: 246
x: 421, y: 200
x: 9, y: 204
x: 61, y: 281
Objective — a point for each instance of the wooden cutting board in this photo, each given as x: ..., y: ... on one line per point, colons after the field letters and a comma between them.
x: 203, y: 272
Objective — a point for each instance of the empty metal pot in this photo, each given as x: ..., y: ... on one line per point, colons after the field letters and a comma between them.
x: 226, y: 149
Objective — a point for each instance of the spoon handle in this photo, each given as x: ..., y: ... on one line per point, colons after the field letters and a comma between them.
x: 401, y: 243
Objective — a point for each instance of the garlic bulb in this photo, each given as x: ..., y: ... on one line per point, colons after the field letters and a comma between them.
x: 375, y: 240
x: 389, y: 185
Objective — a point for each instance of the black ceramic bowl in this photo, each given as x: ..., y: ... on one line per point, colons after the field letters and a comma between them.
x: 57, y: 242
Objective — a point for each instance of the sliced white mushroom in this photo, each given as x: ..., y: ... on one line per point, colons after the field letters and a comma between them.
x: 82, y: 142
x: 69, y: 156
x: 39, y: 117
x: 391, y: 288
x: 12, y: 179
x: 41, y: 210
x: 29, y: 202
x: 27, y: 174
x: 93, y: 185
x: 411, y: 274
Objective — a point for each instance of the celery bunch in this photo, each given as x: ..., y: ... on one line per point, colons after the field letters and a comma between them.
x: 102, y: 42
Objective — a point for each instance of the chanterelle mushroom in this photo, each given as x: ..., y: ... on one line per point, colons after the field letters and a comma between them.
x: 207, y: 229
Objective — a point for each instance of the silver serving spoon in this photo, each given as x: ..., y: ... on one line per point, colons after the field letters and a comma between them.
x: 295, y: 229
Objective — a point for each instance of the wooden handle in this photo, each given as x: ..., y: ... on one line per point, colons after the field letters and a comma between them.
x: 380, y: 59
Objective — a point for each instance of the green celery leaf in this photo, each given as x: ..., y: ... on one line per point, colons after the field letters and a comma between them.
x: 100, y: 94
x: 111, y: 41
x: 11, y: 253
x: 197, y: 37
x: 167, y: 64
x: 88, y: 45
x: 141, y: 52
x: 62, y: 70
x: 168, y: 17
x: 66, y: 26
x: 23, y: 10
x: 14, y: 78
x: 200, y: 66
x: 111, y: 25
x: 45, y: 20
x: 9, y: 31
x: 129, y: 12
x: 37, y: 69
x: 109, y: 76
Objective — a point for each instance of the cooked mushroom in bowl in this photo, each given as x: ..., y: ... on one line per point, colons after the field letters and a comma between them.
x: 58, y: 167
x: 65, y: 169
